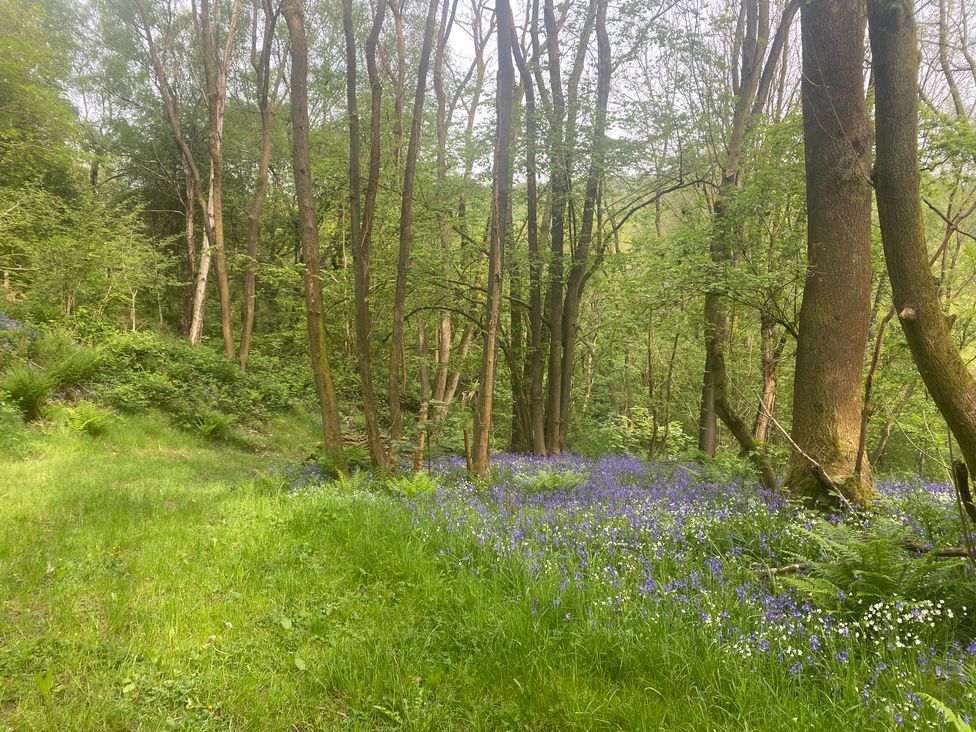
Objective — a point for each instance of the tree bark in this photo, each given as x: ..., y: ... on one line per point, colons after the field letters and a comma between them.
x: 397, y: 365
x: 501, y: 192
x: 533, y: 368
x: 268, y: 108
x: 896, y: 177
x: 580, y: 269
x: 836, y: 310
x: 216, y: 65
x: 309, y: 234
x: 360, y: 225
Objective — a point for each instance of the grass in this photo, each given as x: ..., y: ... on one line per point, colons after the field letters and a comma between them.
x: 148, y: 581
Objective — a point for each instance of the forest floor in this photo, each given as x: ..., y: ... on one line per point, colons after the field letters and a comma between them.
x: 151, y: 579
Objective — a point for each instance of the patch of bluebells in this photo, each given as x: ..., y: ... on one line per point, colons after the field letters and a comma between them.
x: 628, y: 545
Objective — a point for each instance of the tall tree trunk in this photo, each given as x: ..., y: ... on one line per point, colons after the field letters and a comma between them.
x: 558, y: 193
x: 309, y: 234
x: 501, y: 192
x: 716, y: 382
x: 268, y: 107
x: 172, y: 110
x: 896, y: 177
x: 424, y: 413
x: 533, y: 366
x: 836, y: 311
x: 445, y: 327
x: 216, y: 65
x: 360, y: 230
x: 397, y: 380
x: 580, y: 269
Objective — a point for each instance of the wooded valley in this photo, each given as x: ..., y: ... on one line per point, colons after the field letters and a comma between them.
x: 496, y: 247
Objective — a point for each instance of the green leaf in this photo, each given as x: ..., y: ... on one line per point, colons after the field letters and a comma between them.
x: 949, y: 715
x: 300, y: 663
x: 285, y: 622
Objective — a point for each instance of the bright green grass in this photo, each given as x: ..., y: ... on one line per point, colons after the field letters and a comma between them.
x: 160, y: 588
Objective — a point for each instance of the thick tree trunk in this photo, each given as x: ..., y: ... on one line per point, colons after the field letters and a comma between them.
x: 896, y: 177
x: 309, y: 234
x: 501, y: 192
x: 360, y: 230
x: 397, y: 365
x: 836, y: 311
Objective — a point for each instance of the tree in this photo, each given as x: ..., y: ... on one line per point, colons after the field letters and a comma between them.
x: 269, y: 100
x: 308, y: 230
x: 397, y: 365
x: 360, y: 229
x: 895, y: 59
x: 753, y: 86
x: 836, y: 310
x: 216, y: 64
x: 500, y: 215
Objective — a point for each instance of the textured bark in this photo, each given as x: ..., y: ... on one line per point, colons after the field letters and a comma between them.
x: 268, y: 108
x: 896, y: 177
x: 558, y: 193
x: 309, y: 235
x: 501, y: 192
x: 397, y: 364
x: 533, y: 376
x: 216, y: 63
x: 360, y: 226
x: 836, y: 311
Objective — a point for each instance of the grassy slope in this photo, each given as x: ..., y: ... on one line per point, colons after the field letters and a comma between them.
x: 162, y: 590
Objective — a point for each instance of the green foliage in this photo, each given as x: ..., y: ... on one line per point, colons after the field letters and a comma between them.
x: 957, y: 722
x: 550, y: 480
x: 78, y: 367
x: 29, y: 390
x: 848, y: 560
x: 412, y: 484
x: 214, y: 425
x: 88, y: 418
x: 11, y: 423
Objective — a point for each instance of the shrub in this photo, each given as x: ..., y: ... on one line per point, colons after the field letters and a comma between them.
x: 551, y: 480
x: 412, y: 484
x: 87, y: 418
x: 76, y: 368
x: 29, y: 390
x: 11, y: 423
x: 214, y: 425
